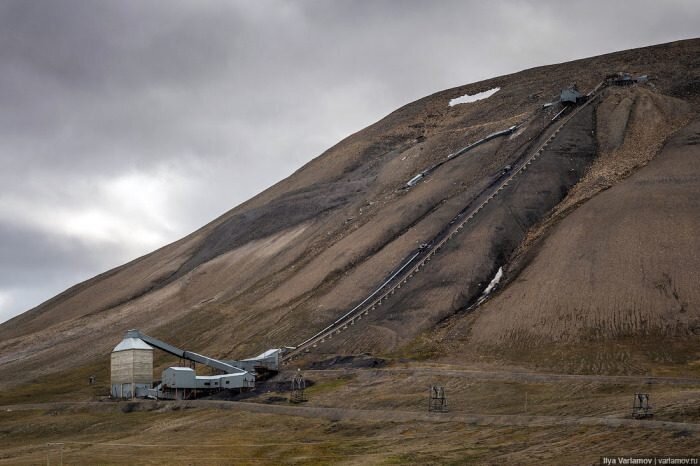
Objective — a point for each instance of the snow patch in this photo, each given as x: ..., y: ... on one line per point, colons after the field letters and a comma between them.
x: 465, y: 99
x: 496, y: 280
x: 494, y: 283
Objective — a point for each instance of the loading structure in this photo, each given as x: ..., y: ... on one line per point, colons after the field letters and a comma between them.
x: 132, y: 370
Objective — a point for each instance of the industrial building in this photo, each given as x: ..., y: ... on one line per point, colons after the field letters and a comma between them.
x: 132, y: 371
x: 268, y: 361
x: 571, y: 96
x: 626, y: 79
x: 181, y: 383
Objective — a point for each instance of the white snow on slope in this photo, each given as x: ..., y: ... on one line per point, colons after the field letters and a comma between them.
x: 473, y: 98
x: 494, y: 282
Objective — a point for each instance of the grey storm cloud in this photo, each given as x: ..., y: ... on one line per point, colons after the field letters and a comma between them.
x: 127, y: 124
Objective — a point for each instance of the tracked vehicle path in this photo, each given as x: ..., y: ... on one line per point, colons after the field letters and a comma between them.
x: 414, y: 265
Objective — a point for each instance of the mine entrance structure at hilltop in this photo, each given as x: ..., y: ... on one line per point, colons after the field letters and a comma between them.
x: 132, y: 371
x: 572, y: 102
x: 571, y: 96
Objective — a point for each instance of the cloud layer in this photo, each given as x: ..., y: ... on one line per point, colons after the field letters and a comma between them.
x: 127, y: 124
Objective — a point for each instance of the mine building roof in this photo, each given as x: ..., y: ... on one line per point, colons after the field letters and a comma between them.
x: 131, y: 344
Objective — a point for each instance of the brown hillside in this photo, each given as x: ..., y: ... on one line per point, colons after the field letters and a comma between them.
x: 623, y: 266
x: 598, y: 236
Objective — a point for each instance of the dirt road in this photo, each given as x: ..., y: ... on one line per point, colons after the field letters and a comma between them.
x: 386, y: 415
x: 517, y: 376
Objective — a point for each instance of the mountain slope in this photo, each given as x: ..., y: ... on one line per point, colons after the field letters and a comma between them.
x: 285, y: 264
x: 616, y: 279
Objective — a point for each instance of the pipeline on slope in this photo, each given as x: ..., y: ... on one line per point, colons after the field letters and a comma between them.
x: 413, y: 181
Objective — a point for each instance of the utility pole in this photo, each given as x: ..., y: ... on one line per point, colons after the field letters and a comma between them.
x: 438, y: 399
x: 48, y: 453
x: 298, y: 387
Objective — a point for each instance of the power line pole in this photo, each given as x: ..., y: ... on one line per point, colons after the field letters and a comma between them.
x: 48, y: 453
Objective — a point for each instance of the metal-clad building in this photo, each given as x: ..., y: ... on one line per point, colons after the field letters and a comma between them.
x: 267, y: 361
x: 570, y: 95
x: 179, y: 377
x: 181, y: 383
x: 225, y: 381
x: 131, y: 369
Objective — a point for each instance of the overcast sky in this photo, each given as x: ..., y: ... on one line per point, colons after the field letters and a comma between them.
x: 125, y: 125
